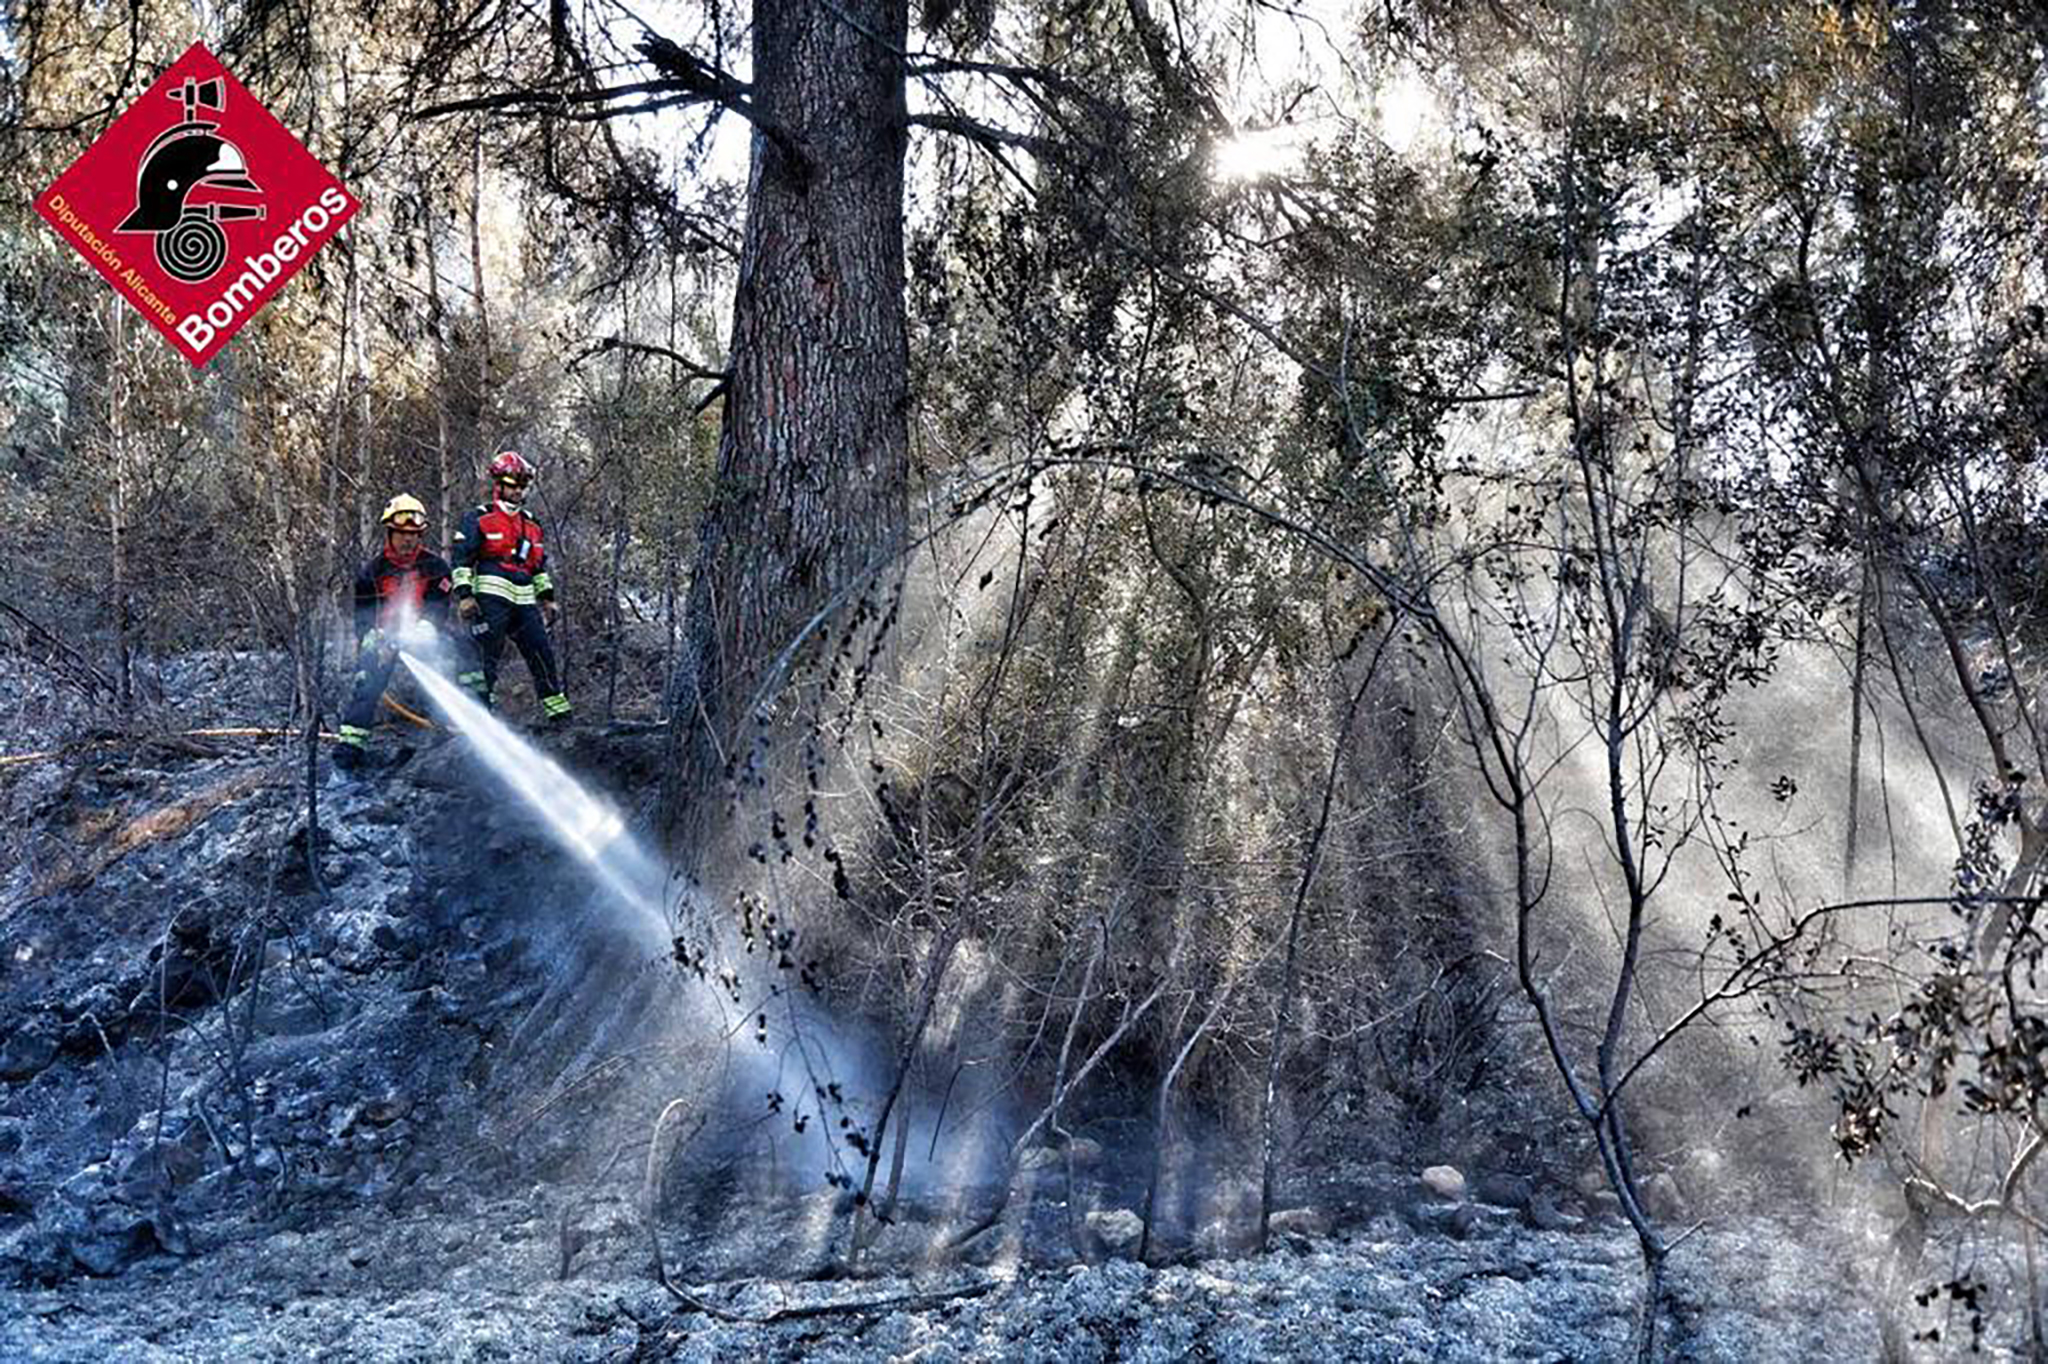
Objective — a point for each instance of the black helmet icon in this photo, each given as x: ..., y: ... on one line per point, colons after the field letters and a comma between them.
x: 190, y: 155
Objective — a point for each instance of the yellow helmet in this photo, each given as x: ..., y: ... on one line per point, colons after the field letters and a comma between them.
x: 404, y: 512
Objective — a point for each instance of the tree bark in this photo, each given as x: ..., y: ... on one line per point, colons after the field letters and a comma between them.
x: 813, y: 455
x: 1857, y: 692
x: 476, y: 283
x: 444, y: 492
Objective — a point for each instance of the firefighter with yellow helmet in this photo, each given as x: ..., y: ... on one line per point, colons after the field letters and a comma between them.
x: 405, y: 583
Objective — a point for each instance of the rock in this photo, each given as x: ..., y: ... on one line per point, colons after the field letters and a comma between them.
x: 1545, y: 1215
x: 1502, y: 1191
x: 86, y: 1229
x: 1118, y: 1229
x: 105, y: 1246
x: 27, y: 1054
x: 1702, y: 1169
x: 1039, y: 1160
x: 1084, y: 1152
x: 359, y: 1256
x: 355, y: 939
x: 148, y: 1167
x: 1301, y: 1222
x: 89, y: 1186
x: 210, y: 1191
x: 145, y: 1184
x: 399, y: 940
x: 1445, y: 1181
x: 1661, y: 1197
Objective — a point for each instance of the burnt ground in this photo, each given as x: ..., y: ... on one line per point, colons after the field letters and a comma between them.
x: 393, y: 1102
x: 480, y: 1281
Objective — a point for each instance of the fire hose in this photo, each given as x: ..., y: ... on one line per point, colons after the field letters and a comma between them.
x: 217, y: 732
x: 410, y: 714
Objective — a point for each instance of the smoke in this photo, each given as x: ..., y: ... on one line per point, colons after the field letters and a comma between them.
x: 1761, y: 777
x: 782, y: 1076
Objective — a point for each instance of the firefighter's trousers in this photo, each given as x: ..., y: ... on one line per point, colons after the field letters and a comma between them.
x: 523, y: 625
x: 373, y: 674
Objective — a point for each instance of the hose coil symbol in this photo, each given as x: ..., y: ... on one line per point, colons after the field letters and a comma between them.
x: 193, y: 249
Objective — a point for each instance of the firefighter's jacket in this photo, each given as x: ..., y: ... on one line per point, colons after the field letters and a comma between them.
x: 498, y: 553
x: 390, y: 594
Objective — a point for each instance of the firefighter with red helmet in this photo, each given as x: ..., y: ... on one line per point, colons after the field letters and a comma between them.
x: 502, y: 587
x: 404, y: 583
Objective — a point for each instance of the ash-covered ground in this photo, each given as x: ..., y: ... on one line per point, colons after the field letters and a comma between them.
x: 394, y: 1101
x: 480, y: 1280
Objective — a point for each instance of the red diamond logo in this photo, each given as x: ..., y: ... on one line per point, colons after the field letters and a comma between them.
x: 197, y: 205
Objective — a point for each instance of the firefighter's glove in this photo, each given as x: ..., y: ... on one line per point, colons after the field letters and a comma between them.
x: 373, y: 642
x: 549, y: 613
x: 466, y: 607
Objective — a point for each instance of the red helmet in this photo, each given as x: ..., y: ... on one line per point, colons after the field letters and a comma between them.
x: 511, y: 467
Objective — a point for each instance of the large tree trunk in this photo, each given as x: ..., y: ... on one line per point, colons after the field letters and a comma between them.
x: 812, y: 460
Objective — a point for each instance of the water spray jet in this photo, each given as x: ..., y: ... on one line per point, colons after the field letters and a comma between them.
x: 812, y: 1083
x: 582, y: 822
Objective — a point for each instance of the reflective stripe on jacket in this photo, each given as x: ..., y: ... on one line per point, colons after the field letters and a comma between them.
x: 499, y: 552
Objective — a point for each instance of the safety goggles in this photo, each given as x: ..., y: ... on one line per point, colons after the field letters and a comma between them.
x: 512, y: 480
x: 407, y: 521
